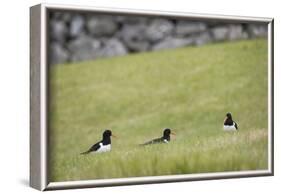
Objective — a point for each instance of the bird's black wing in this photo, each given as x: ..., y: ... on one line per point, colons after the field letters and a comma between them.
x: 154, y: 141
x: 94, y: 148
x: 235, y: 125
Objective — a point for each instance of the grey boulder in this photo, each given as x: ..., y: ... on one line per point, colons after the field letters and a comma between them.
x: 131, y: 20
x: 133, y: 36
x: 236, y: 32
x: 202, y: 38
x: 172, y: 42
x: 57, y: 54
x: 76, y: 26
x: 220, y: 33
x: 84, y: 48
x: 185, y: 28
x: 101, y: 25
x: 257, y: 30
x: 158, y: 29
x: 113, y: 47
x: 58, y: 31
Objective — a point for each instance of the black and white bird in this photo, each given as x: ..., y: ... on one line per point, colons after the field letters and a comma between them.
x: 164, y: 139
x: 229, y: 124
x: 102, y: 146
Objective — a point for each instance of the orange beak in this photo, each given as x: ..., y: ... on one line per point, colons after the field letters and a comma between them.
x: 113, y: 136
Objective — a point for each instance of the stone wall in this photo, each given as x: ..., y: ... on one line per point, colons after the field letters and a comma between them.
x: 78, y: 37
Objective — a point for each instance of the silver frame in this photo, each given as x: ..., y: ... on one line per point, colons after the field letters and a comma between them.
x: 39, y: 100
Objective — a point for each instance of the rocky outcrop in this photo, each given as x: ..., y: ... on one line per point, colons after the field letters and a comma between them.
x: 78, y: 37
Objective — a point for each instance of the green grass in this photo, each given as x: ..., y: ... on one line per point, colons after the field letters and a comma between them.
x: 136, y: 96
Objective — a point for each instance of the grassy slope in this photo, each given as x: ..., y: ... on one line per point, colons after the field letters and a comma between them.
x: 189, y: 89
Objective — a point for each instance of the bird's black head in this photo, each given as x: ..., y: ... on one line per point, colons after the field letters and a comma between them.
x: 106, y: 134
x: 228, y: 115
x: 166, y: 134
x: 106, y: 137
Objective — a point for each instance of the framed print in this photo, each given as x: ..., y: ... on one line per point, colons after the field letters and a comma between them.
x: 122, y: 97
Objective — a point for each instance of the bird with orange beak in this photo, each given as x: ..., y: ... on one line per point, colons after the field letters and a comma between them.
x: 229, y: 124
x: 164, y: 139
x: 102, y: 146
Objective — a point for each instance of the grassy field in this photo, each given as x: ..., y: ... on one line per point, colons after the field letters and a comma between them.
x: 136, y: 96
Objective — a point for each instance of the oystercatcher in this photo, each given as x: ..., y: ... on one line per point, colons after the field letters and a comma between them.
x: 102, y: 146
x: 229, y: 124
x: 164, y: 139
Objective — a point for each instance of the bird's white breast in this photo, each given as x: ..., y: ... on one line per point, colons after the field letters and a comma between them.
x: 104, y: 148
x: 229, y: 128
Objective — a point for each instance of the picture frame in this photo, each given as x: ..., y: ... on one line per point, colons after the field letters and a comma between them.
x: 40, y: 94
